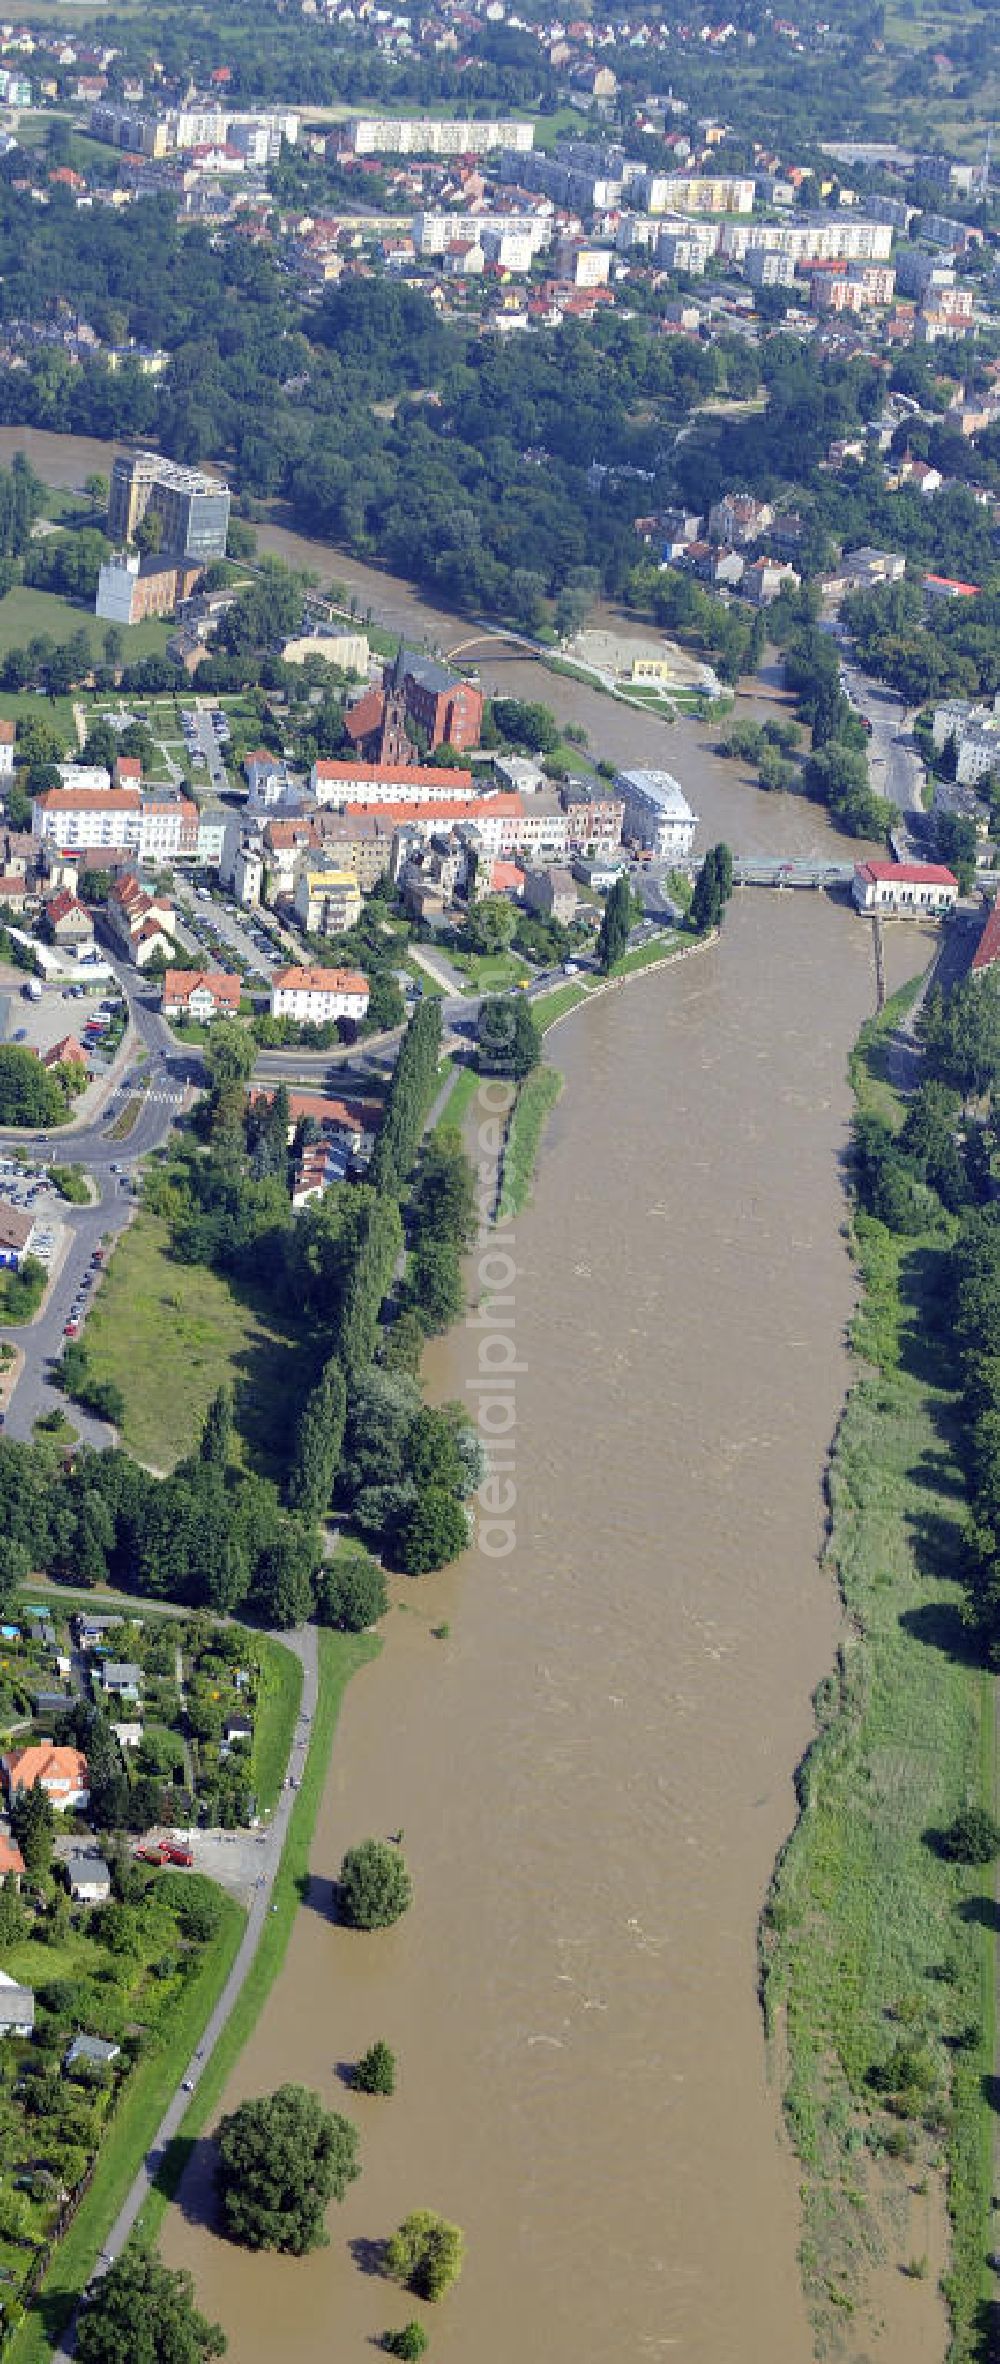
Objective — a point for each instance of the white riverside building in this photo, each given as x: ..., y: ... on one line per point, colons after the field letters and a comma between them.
x: 657, y: 813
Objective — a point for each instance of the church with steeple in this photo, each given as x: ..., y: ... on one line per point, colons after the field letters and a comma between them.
x: 416, y: 691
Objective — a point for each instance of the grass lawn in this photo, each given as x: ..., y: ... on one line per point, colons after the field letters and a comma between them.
x: 171, y: 1335
x: 25, y: 613
x: 278, y: 1695
x: 431, y: 987
x: 551, y: 1006
x: 651, y: 955
x: 536, y: 1098
x: 869, y: 1937
x: 127, y: 2140
x: 340, y: 1654
x: 31, y: 706
x: 490, y: 972
x: 460, y: 1098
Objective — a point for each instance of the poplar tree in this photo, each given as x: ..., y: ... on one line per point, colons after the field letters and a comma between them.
x: 319, y: 1443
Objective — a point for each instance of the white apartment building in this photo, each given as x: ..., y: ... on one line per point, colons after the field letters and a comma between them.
x: 681, y: 192
x: 213, y: 821
x: 811, y: 238
x: 341, y: 784
x: 68, y: 819
x: 584, y: 266
x: 976, y: 732
x: 152, y: 828
x: 408, y: 135
x: 762, y: 268
x: 433, y: 233
x: 686, y: 246
x: 314, y: 996
x: 657, y: 813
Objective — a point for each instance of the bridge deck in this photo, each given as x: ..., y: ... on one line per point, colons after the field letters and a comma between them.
x: 747, y: 871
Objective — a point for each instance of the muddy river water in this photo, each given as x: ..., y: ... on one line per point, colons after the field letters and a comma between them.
x: 594, y: 1769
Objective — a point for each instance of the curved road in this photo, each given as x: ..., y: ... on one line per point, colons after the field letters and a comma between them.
x: 304, y: 1643
x: 166, y: 1075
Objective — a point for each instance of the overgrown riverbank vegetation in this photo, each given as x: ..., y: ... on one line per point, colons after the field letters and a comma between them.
x: 877, y: 1945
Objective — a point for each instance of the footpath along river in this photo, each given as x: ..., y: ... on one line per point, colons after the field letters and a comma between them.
x: 594, y: 1771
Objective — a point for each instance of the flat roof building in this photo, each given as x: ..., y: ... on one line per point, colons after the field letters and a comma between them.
x: 193, y: 506
x: 657, y: 813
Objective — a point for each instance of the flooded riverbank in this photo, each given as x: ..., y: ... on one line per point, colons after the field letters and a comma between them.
x: 594, y: 1771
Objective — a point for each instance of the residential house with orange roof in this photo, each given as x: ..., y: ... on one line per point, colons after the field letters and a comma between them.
x: 11, y: 1860
x: 63, y: 1774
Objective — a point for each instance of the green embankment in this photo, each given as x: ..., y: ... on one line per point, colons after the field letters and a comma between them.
x: 278, y: 1695
x: 870, y: 1940
x: 536, y: 1097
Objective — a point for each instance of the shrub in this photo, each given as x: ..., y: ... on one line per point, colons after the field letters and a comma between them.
x: 973, y: 1837
x: 375, y: 2072
x: 426, y: 2253
x: 410, y: 2342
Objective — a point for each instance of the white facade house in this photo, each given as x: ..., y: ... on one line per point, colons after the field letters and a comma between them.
x: 657, y: 813
x: 7, y: 735
x: 314, y: 996
x: 908, y: 888
x: 17, y: 2007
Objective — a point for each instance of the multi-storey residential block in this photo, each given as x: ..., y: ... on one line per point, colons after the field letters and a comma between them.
x: 192, y: 506
x: 403, y: 135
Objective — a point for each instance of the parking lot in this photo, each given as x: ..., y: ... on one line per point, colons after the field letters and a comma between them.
x: 207, y: 737
x: 64, y: 1010
x: 221, y: 933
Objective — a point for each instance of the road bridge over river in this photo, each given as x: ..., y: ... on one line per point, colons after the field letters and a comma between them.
x: 751, y: 870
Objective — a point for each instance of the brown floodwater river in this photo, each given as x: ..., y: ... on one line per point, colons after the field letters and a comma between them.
x: 593, y: 1770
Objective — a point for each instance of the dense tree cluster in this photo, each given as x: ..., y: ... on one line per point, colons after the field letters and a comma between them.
x: 509, y: 1041
x: 409, y: 1099
x: 29, y: 1094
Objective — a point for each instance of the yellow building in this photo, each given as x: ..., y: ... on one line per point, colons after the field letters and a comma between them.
x: 327, y: 902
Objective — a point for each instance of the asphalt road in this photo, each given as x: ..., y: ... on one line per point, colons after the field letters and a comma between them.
x: 304, y: 1643
x: 162, y: 1079
x: 897, y: 771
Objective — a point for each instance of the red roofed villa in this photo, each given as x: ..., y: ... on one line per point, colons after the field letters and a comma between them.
x: 908, y: 888
x: 201, y: 994
x: 61, y: 1772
